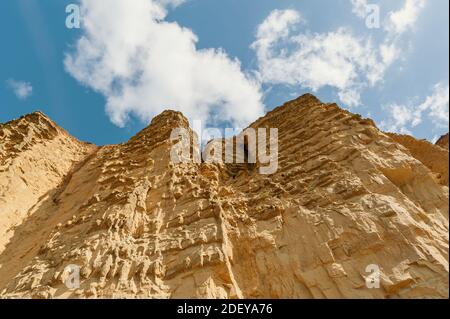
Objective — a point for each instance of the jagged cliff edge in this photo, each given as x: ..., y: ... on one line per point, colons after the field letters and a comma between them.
x: 346, y: 196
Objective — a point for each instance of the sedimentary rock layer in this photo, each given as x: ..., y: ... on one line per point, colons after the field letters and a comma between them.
x: 345, y: 196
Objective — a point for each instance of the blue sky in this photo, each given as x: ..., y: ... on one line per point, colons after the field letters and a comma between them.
x: 225, y: 62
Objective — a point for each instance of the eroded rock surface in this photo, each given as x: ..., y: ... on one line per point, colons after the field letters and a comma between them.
x: 432, y: 156
x: 443, y: 141
x: 36, y: 156
x: 345, y: 196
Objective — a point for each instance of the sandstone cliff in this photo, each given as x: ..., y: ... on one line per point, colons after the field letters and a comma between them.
x: 345, y: 196
x: 35, y: 157
x: 443, y: 141
x: 433, y: 157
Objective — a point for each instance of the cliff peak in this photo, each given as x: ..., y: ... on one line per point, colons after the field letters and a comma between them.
x: 161, y: 126
x: 443, y: 141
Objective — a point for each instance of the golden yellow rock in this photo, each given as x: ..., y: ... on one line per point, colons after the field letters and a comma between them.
x: 443, y: 141
x: 432, y: 156
x: 346, y: 200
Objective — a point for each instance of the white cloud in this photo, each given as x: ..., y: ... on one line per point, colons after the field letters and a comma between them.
x: 403, y: 118
x: 143, y: 64
x: 21, y: 89
x: 395, y: 25
x: 404, y: 19
x: 359, y: 8
x: 275, y: 27
x: 437, y: 105
x: 172, y: 3
x: 314, y: 60
x: 399, y: 118
x: 389, y: 53
x: 397, y: 22
x: 350, y: 97
x: 338, y: 59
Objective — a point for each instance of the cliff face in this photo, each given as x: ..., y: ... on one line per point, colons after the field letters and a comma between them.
x: 435, y: 158
x: 443, y: 141
x: 35, y: 157
x: 346, y: 198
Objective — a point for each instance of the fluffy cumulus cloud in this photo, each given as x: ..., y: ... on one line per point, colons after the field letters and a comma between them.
x: 404, y: 19
x: 397, y: 22
x: 21, y: 89
x: 288, y: 53
x: 337, y: 59
x: 435, y: 107
x: 143, y: 64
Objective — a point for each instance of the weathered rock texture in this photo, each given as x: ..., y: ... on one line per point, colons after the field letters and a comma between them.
x: 35, y: 157
x: 443, y: 141
x: 345, y: 196
x: 435, y: 158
